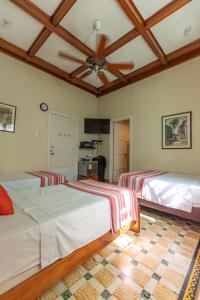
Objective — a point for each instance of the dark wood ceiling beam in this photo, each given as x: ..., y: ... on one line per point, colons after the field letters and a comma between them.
x: 120, y: 75
x: 135, y: 17
x: 79, y: 70
x: 60, y: 12
x: 44, y: 19
x: 177, y: 57
x: 22, y: 55
x: 164, y: 12
x: 132, y: 34
x: 39, y: 41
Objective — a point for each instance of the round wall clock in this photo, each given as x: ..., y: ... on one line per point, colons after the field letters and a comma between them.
x: 43, y: 106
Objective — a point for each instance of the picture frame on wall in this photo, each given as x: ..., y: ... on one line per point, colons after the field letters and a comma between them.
x: 177, y: 131
x: 7, y: 117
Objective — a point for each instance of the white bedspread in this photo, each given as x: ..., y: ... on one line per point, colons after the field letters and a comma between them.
x: 19, y: 181
x: 63, y: 218
x: 19, y: 244
x: 173, y: 190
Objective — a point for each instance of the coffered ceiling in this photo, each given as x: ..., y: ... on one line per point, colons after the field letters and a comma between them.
x: 155, y: 35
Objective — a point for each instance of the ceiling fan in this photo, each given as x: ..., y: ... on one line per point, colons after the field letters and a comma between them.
x: 98, y: 62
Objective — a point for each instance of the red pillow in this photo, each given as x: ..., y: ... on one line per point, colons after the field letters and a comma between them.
x: 6, y: 207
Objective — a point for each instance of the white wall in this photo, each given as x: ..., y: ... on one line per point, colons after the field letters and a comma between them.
x: 173, y: 91
x: 26, y: 87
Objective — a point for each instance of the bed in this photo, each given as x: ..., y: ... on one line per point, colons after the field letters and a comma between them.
x: 30, y: 180
x: 57, y: 235
x: 176, y: 194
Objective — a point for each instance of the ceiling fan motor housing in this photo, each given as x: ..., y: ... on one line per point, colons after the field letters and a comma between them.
x: 95, y: 64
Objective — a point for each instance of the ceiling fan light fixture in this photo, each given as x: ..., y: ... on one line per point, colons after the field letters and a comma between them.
x: 97, y: 25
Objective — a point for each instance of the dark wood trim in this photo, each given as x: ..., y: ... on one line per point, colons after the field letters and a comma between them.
x: 135, y: 17
x: 36, y: 285
x: 51, y: 24
x: 39, y: 41
x: 125, y: 39
x: 60, y: 12
x: 175, y: 58
x: 39, y: 283
x: 164, y: 12
x: 22, y: 55
x: 44, y: 19
x: 79, y: 70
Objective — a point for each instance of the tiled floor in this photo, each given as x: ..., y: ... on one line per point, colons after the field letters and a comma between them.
x: 149, y: 265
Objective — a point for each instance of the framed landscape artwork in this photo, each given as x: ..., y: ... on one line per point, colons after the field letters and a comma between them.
x: 7, y: 117
x: 177, y: 131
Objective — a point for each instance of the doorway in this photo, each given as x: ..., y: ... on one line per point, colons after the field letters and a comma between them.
x: 120, y: 147
x: 63, y: 146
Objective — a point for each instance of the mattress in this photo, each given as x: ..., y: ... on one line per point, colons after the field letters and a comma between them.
x: 177, y: 191
x: 173, y: 190
x: 18, y: 181
x: 54, y: 219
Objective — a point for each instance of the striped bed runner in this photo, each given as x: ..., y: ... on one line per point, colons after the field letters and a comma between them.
x: 123, y: 201
x: 49, y: 178
x: 135, y: 180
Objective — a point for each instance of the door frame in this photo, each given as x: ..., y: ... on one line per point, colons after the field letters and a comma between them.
x: 76, y: 137
x: 111, y: 143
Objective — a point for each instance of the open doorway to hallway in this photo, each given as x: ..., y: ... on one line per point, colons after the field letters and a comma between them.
x: 120, y: 159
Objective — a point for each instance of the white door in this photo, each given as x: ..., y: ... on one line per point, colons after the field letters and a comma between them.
x: 63, y: 148
x: 120, y: 149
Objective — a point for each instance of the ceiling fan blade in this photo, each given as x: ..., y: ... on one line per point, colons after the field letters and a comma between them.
x: 103, y: 39
x: 85, y: 74
x: 70, y: 57
x: 120, y: 66
x: 102, y: 76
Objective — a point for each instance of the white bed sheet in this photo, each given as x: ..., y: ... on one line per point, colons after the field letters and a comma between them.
x: 173, y: 190
x: 52, y: 222
x: 19, y: 244
x: 19, y: 181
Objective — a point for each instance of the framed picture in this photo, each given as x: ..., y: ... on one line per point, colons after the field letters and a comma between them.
x: 177, y: 131
x: 7, y: 117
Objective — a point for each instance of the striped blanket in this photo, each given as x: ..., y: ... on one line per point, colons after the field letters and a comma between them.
x: 49, y: 178
x: 123, y: 202
x: 135, y: 180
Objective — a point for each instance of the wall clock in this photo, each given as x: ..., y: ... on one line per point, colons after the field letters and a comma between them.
x: 43, y: 106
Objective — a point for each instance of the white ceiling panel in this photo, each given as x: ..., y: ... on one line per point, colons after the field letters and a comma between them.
x: 49, y: 52
x: 148, y: 8
x: 49, y: 6
x: 170, y: 33
x: 136, y: 51
x: 21, y: 29
x: 94, y: 80
x: 80, y: 18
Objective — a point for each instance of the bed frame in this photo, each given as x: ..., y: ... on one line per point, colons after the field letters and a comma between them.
x: 193, y: 216
x: 39, y: 283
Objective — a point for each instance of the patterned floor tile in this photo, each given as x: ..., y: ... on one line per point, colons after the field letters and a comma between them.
x: 174, y: 277
x: 150, y: 262
x: 161, y: 292
x: 150, y: 265
x: 125, y: 293
x: 105, y: 277
x: 87, y: 291
x: 139, y: 277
